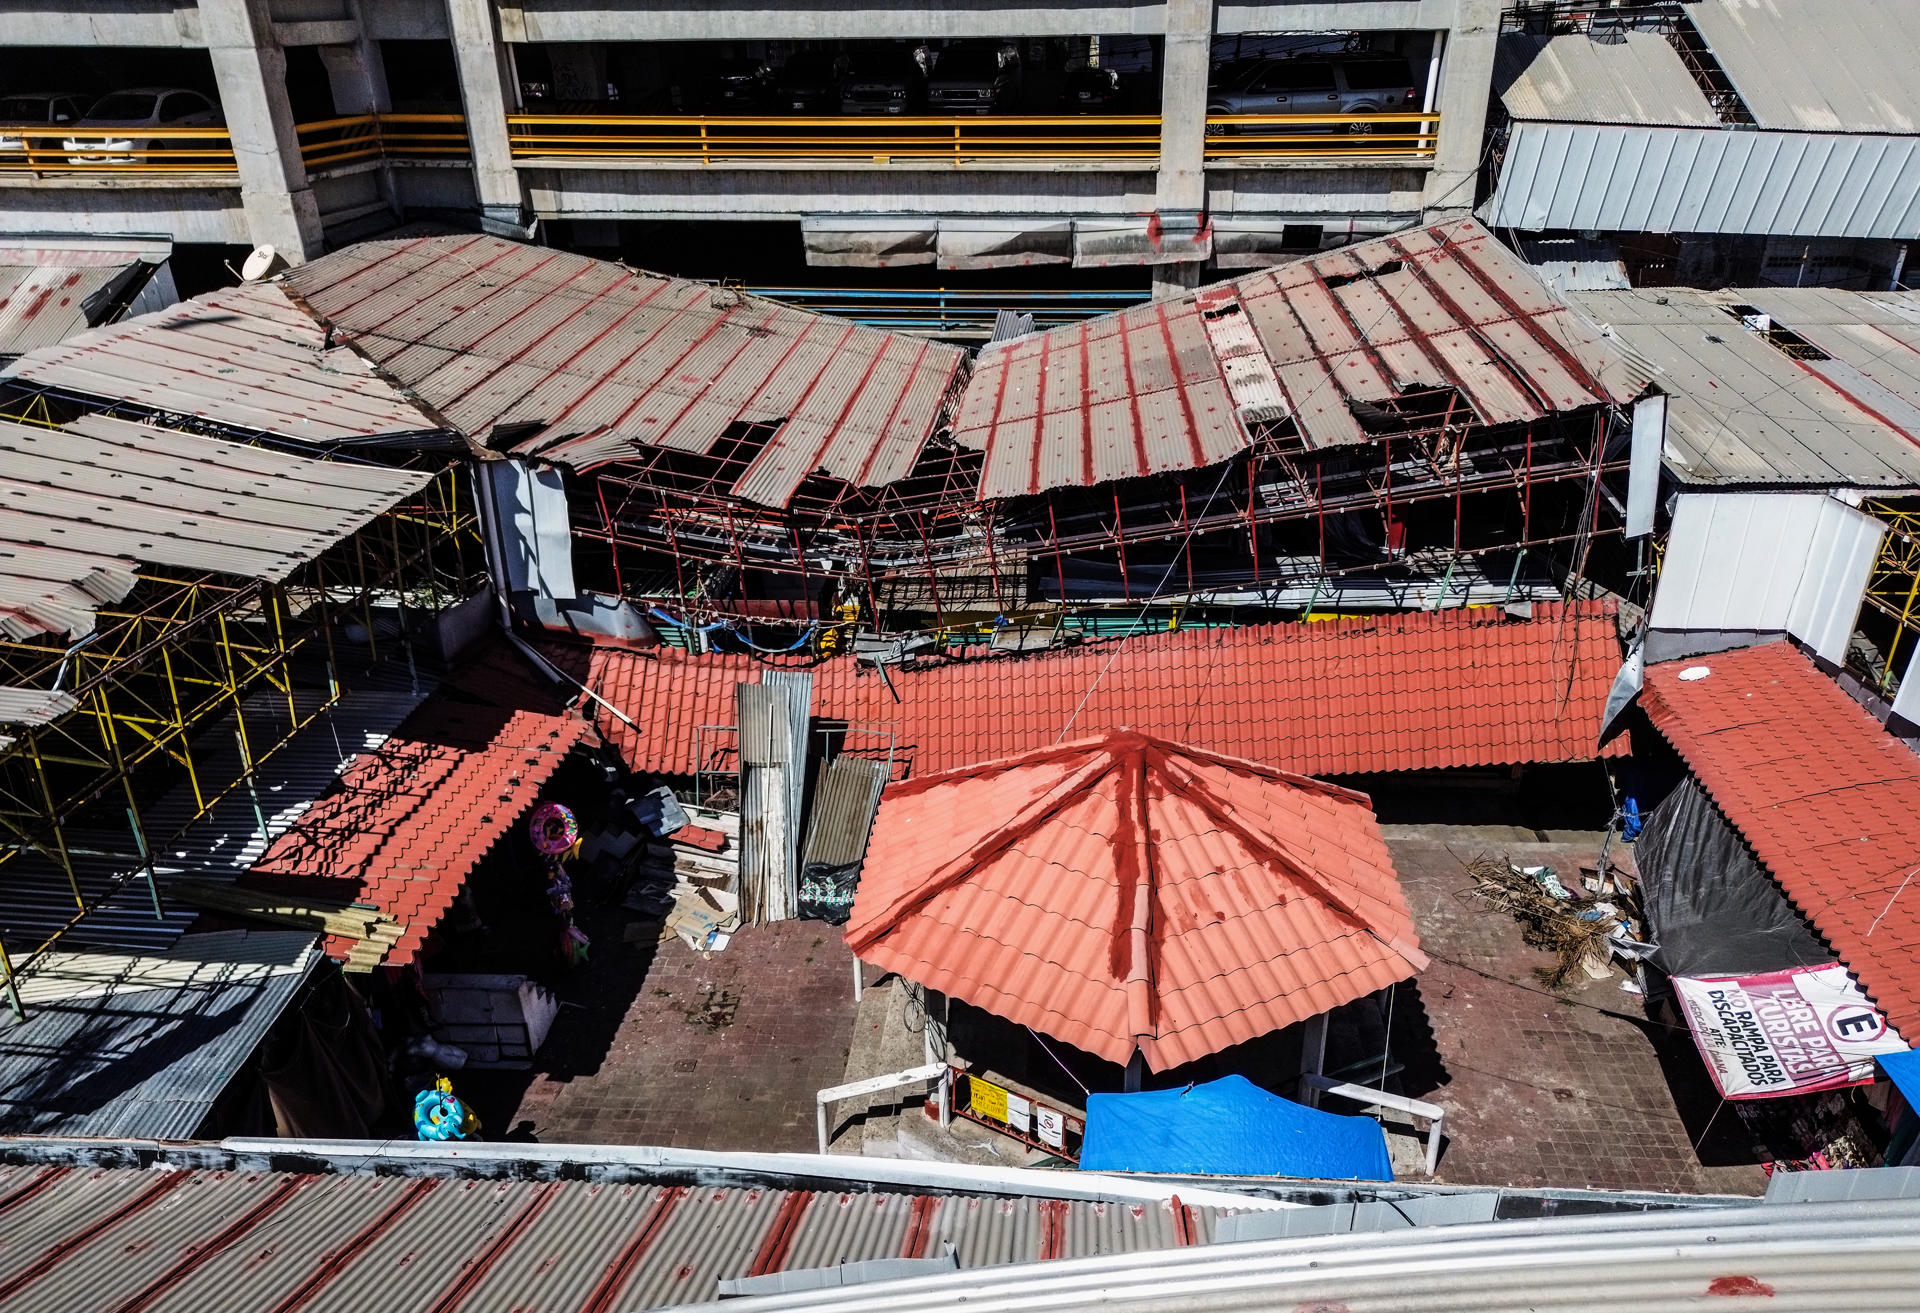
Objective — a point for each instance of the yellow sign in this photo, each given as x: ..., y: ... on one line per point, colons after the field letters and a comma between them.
x: 987, y: 1099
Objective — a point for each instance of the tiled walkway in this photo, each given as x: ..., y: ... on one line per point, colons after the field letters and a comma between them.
x: 1539, y: 1090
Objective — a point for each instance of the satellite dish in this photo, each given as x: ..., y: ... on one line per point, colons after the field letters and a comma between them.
x: 264, y: 262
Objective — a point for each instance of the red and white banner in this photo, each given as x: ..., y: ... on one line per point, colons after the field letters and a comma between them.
x: 1785, y: 1032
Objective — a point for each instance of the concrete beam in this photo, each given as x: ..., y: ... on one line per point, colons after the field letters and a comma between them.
x: 191, y: 212
x: 1466, y: 79
x: 486, y: 88
x: 793, y: 20
x: 331, y: 32
x: 163, y: 23
x: 250, y: 69
x: 1237, y: 17
x: 406, y: 20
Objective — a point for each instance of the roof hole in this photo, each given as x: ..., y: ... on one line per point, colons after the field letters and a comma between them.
x: 1341, y: 280
x: 1762, y: 325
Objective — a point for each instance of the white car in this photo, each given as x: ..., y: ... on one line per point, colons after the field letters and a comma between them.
x: 110, y: 133
x: 58, y: 109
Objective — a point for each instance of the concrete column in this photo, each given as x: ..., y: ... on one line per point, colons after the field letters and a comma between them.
x: 1466, y: 79
x: 250, y: 70
x: 357, y: 73
x: 1181, y: 194
x: 484, y: 87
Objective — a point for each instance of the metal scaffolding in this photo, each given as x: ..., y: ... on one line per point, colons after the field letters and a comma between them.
x: 1893, y: 588
x: 184, y: 652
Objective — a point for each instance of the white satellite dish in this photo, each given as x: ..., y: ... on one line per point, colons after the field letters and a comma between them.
x: 263, y: 262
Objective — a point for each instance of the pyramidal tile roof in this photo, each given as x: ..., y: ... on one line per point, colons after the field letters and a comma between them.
x: 1125, y: 892
x: 1825, y: 797
x: 1419, y: 691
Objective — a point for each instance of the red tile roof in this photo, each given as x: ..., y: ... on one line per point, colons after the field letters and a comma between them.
x: 1826, y: 798
x: 1386, y: 693
x: 410, y: 820
x: 1124, y: 891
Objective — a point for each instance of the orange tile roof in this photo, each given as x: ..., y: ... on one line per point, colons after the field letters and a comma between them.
x: 409, y: 821
x: 1826, y: 798
x: 1386, y: 693
x: 1125, y: 892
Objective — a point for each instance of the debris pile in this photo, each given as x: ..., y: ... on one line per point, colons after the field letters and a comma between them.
x: 1587, y: 930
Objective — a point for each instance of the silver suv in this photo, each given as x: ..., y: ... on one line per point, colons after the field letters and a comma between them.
x: 1379, y: 84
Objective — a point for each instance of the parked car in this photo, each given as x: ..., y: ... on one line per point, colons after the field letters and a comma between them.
x: 807, y: 84
x: 1369, y: 85
x: 54, y: 108
x: 1091, y: 91
x: 732, y: 86
x: 971, y: 78
x: 110, y: 132
x: 883, y: 82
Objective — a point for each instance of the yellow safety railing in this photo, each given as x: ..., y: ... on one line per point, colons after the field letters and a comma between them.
x: 960, y: 140
x: 143, y: 151
x: 335, y: 143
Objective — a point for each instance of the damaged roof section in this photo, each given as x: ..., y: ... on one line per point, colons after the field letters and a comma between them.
x: 54, y: 287
x: 583, y: 361
x: 1812, y: 387
x: 1321, y: 342
x: 82, y: 508
x: 247, y: 358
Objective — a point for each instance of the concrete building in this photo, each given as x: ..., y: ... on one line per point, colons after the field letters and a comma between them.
x: 339, y: 115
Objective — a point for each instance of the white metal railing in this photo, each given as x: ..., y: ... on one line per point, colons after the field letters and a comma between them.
x: 1436, y: 1115
x: 938, y: 1073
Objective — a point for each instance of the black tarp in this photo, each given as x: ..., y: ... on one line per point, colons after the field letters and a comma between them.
x: 1710, y: 906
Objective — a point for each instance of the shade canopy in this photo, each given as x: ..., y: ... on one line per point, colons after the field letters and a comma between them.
x: 1229, y: 1127
x: 1125, y: 893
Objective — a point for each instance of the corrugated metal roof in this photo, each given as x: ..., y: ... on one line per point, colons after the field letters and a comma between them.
x: 81, y: 508
x: 245, y: 357
x: 583, y: 360
x: 1830, y: 66
x: 1785, y: 1258
x: 1587, y: 177
x: 842, y: 812
x: 1402, y: 692
x: 192, y: 1241
x: 117, y: 1045
x: 1819, y: 790
x: 32, y: 706
x: 1125, y: 892
x: 1148, y: 390
x: 1743, y: 411
x: 1572, y: 78
x: 52, y: 288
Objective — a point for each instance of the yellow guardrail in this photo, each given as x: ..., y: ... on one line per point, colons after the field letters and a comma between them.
x: 333, y: 143
x: 960, y: 139
x: 38, y: 149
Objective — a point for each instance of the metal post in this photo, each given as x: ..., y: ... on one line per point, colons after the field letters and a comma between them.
x: 133, y: 807
x: 13, y: 990
x: 859, y: 981
x: 400, y: 601
x: 53, y: 816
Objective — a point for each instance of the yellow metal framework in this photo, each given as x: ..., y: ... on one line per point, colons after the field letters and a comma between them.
x: 961, y: 139
x: 356, y: 139
x: 184, y: 651
x: 1893, y: 589
x: 115, y: 152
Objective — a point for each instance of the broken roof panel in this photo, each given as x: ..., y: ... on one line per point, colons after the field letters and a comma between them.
x: 1124, y: 892
x: 1445, y: 306
x: 1403, y: 692
x: 582, y: 361
x: 1746, y: 409
x: 54, y: 287
x: 244, y: 357
x: 1820, y: 791
x: 82, y: 507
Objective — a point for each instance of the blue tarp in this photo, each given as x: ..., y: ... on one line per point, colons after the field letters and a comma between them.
x: 1903, y: 1069
x: 1229, y: 1127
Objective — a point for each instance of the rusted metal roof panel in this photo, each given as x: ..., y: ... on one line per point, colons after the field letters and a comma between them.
x: 52, y: 287
x: 582, y: 361
x: 1445, y: 306
x: 243, y: 357
x: 82, y: 507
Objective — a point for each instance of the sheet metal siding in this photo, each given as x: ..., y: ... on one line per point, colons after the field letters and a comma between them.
x: 1788, y: 563
x: 598, y: 360
x: 843, y: 808
x: 144, y: 1062
x: 1833, y: 66
x: 1819, y: 423
x: 1649, y: 179
x: 799, y: 687
x: 1146, y: 390
x: 243, y: 356
x: 1574, y: 79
